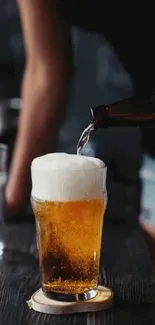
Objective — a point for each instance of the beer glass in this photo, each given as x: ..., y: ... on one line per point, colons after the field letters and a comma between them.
x: 69, y: 199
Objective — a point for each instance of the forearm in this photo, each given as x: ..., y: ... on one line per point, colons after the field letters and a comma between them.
x: 46, y: 81
x: 43, y: 102
x: 44, y: 91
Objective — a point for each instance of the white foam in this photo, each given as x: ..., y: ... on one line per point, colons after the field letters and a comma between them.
x: 64, y: 177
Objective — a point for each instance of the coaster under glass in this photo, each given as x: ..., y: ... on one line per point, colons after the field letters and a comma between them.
x: 102, y: 300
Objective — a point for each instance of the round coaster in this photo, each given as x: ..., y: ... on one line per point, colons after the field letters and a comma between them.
x: 42, y: 304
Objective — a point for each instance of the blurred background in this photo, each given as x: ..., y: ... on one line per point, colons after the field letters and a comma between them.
x: 99, y: 78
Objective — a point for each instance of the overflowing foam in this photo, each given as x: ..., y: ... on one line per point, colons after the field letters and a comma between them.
x: 64, y: 177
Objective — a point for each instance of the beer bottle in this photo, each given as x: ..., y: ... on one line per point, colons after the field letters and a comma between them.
x: 130, y: 112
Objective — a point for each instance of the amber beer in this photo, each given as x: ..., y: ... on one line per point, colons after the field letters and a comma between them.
x: 69, y: 226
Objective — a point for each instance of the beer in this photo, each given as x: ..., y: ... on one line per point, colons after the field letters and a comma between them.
x: 68, y: 200
x: 69, y: 244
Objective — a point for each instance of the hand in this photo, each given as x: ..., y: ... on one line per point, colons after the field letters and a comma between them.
x: 17, y: 192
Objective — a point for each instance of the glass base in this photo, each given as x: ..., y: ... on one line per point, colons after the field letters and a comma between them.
x: 70, y: 297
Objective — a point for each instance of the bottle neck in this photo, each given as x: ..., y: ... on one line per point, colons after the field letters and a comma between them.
x: 132, y: 112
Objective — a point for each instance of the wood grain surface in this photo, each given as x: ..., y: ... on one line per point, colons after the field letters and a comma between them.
x: 125, y: 267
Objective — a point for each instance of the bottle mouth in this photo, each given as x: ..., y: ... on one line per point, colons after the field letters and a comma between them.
x: 92, y: 115
x: 95, y: 117
x: 99, y: 116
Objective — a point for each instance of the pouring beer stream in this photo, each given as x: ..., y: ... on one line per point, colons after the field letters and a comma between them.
x: 130, y: 112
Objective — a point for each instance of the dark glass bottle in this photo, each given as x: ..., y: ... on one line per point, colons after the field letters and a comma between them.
x: 130, y: 112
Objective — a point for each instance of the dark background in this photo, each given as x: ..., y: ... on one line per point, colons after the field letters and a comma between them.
x: 99, y: 78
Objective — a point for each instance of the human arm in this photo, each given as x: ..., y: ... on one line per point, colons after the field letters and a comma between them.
x: 44, y: 91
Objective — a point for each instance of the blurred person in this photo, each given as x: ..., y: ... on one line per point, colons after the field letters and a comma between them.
x: 43, y: 93
x: 46, y: 27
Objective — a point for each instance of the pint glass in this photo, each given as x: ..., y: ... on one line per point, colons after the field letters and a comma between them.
x: 69, y: 200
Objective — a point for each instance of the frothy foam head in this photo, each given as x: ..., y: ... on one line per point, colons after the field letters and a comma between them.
x: 64, y: 177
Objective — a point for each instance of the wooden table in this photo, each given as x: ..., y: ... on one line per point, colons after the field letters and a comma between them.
x: 125, y: 267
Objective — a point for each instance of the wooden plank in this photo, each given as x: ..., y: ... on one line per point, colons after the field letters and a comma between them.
x: 125, y: 267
